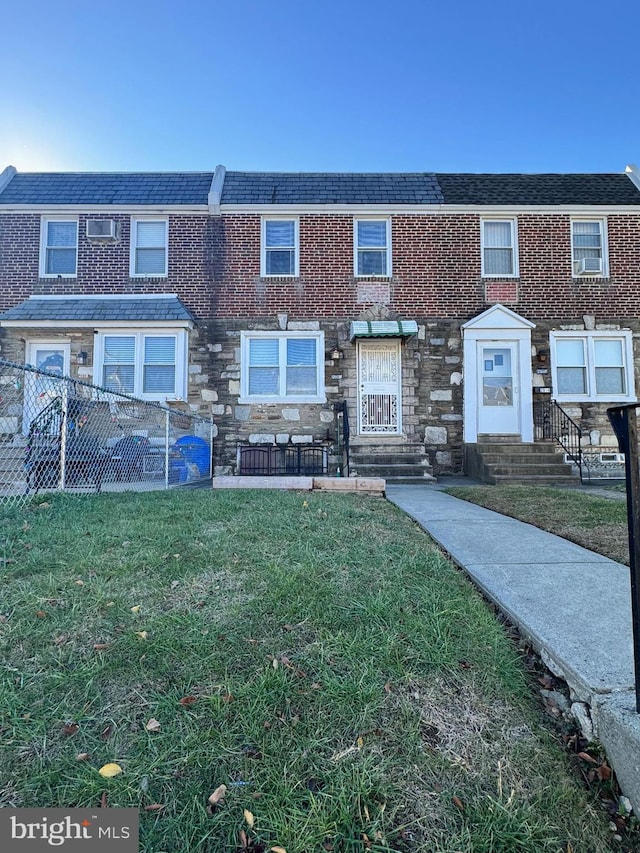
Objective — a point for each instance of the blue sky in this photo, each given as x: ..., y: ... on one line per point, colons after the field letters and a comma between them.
x: 297, y: 85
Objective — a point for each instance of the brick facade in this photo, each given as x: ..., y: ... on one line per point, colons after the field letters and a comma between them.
x: 214, y: 268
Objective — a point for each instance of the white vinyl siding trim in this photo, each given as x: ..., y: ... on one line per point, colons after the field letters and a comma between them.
x: 282, y: 367
x: 499, y: 248
x: 151, y: 364
x: 58, y: 247
x: 372, y: 248
x: 149, y: 248
x: 279, y: 247
x: 589, y: 242
x: 592, y: 366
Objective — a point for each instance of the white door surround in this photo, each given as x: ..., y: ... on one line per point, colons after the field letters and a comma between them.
x: 54, y: 356
x: 379, y: 387
x: 498, y: 395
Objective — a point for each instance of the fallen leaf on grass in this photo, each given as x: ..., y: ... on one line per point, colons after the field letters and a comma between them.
x: 44, y: 505
x: 106, y: 732
x: 457, y: 802
x: 60, y: 640
x: 100, y: 647
x: 586, y: 757
x: 277, y: 849
x: 249, y: 818
x: 135, y: 608
x: 154, y: 807
x: 41, y: 614
x: 604, y: 772
x: 152, y: 725
x: 108, y: 771
x: 142, y: 634
x: 79, y: 583
x: 187, y: 701
x: 103, y: 801
x: 242, y: 835
x: 387, y: 687
x: 70, y: 728
x: 218, y: 795
x: 82, y: 756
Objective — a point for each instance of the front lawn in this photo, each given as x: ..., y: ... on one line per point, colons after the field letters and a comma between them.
x: 599, y: 524
x: 315, y: 654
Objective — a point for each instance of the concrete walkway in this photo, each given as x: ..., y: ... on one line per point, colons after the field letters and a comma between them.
x: 573, y: 605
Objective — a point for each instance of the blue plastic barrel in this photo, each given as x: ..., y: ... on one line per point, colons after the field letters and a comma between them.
x: 195, y: 451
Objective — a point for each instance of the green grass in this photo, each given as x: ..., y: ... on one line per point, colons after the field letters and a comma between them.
x: 599, y: 524
x: 348, y: 681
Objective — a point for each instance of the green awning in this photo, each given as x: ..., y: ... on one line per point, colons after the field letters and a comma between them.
x: 383, y: 329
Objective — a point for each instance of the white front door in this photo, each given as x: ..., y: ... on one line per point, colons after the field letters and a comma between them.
x: 379, y: 387
x: 39, y: 391
x: 498, y: 392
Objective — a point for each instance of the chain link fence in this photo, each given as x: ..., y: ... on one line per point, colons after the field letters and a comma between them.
x: 61, y: 434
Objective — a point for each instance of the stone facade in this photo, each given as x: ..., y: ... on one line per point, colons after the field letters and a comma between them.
x: 436, y: 281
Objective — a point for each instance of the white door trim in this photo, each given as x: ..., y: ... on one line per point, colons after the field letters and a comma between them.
x: 382, y: 399
x: 31, y: 405
x: 493, y: 326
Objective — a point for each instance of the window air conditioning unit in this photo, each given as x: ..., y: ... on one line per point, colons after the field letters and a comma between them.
x: 589, y: 265
x: 102, y: 229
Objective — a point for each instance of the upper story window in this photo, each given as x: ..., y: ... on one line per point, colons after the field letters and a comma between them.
x: 282, y: 366
x: 149, y: 247
x: 592, y: 366
x: 279, y: 256
x: 372, y: 247
x: 588, y: 247
x: 149, y: 364
x: 59, y: 247
x: 499, y: 248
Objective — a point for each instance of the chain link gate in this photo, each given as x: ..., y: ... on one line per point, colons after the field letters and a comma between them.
x: 61, y: 434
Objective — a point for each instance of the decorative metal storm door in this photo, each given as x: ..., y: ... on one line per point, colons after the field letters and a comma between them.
x: 380, y: 395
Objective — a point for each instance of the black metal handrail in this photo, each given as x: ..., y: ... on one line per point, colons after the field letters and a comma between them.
x: 47, y: 425
x: 342, y: 412
x: 552, y: 422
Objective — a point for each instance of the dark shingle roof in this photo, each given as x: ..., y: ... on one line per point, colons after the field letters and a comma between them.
x: 160, y: 308
x: 595, y: 189
x: 275, y: 188
x: 281, y: 188
x: 107, y: 188
x: 329, y: 188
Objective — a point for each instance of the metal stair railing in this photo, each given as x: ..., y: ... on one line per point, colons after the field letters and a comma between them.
x: 552, y: 422
x: 343, y: 436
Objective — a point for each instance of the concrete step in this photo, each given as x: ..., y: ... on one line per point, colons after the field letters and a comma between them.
x: 530, y: 470
x: 525, y: 458
x: 529, y: 480
x: 390, y: 458
x: 391, y: 471
x: 540, y: 449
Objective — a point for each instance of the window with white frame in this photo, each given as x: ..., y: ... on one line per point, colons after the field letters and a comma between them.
x: 59, y: 247
x: 286, y: 366
x: 592, y: 366
x: 149, y: 247
x: 499, y: 248
x: 588, y: 247
x: 372, y: 247
x: 279, y: 247
x: 149, y: 364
